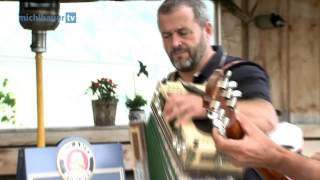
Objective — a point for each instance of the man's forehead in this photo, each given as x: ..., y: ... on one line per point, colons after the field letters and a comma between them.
x: 175, y: 20
x: 179, y: 12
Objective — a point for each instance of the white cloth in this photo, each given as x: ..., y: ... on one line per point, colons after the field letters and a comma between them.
x: 289, y: 135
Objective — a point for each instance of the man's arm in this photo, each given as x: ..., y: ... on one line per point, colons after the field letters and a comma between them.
x: 296, y: 166
x: 260, y: 112
x: 257, y: 150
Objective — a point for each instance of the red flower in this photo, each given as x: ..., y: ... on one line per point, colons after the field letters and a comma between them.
x: 104, y: 89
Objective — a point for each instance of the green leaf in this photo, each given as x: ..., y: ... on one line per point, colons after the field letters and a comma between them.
x: 5, y: 82
x: 9, y: 101
x: 4, y: 119
x: 135, y: 103
x: 1, y: 95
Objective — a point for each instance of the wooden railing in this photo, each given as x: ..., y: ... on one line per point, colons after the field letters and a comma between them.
x: 311, y: 135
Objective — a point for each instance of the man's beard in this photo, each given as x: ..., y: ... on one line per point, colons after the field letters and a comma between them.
x: 195, y: 55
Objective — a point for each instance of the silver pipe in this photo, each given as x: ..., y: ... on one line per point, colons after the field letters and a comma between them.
x: 39, y: 39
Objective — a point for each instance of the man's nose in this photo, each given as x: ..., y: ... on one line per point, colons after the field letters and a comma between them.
x: 176, y: 41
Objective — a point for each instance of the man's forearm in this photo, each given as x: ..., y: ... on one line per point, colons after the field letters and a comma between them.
x: 296, y: 166
x: 260, y: 112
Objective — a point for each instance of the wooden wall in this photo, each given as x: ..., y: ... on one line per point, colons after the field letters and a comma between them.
x: 291, y: 55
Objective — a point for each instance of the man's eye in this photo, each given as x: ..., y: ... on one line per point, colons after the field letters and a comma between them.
x: 183, y: 33
x: 166, y: 35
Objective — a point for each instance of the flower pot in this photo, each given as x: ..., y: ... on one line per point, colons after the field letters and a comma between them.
x: 137, y: 115
x: 104, y: 112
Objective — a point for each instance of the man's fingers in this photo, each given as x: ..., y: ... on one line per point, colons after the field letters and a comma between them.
x: 216, y: 135
x: 219, y: 140
x: 168, y: 113
x: 247, y: 126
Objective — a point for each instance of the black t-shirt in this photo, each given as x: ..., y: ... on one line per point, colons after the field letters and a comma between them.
x: 252, y: 80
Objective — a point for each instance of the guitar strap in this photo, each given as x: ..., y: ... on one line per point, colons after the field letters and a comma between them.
x: 230, y: 63
x: 226, y: 63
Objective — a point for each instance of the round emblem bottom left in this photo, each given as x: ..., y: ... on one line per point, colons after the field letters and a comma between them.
x: 75, y: 159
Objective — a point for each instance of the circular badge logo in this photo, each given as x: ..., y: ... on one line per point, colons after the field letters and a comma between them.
x: 75, y: 159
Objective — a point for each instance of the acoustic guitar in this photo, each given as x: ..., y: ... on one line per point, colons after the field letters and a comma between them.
x: 221, y: 112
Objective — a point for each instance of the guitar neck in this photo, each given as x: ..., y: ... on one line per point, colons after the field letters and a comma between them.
x: 269, y: 174
x: 234, y: 130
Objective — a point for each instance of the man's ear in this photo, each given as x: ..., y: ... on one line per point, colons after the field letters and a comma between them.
x: 208, y: 29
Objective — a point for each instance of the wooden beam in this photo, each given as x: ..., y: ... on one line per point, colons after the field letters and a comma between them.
x: 27, y: 137
x: 310, y: 131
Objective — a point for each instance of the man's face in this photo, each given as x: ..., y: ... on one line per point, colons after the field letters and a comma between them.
x: 183, y: 39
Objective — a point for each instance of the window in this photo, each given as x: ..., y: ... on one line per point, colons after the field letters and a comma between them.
x: 107, y: 40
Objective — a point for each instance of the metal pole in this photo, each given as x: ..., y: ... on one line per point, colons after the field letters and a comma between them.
x: 39, y: 46
x: 41, y: 137
x: 218, y: 25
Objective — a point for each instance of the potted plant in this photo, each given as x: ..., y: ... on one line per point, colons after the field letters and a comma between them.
x: 105, y: 105
x: 135, y: 107
x: 7, y: 104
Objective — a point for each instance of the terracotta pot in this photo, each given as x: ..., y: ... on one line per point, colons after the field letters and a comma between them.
x: 104, y: 112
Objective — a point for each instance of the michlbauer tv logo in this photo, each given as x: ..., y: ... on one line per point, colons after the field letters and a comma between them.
x: 69, y: 17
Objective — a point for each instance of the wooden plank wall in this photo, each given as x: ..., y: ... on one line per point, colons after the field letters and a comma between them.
x: 291, y: 55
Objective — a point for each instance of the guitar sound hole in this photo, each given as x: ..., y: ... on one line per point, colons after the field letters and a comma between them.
x: 203, y: 125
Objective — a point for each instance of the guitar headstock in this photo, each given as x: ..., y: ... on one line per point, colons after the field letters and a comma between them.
x: 224, y: 99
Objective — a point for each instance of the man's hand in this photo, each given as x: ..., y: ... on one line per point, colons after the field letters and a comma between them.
x: 183, y: 108
x: 254, y: 150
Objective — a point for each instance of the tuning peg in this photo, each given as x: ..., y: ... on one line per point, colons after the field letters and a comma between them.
x: 215, y: 105
x: 223, y: 84
x: 234, y: 98
x: 232, y: 84
x: 225, y: 121
x: 227, y: 93
x: 217, y: 123
x: 212, y: 115
x: 232, y: 102
x: 236, y: 93
x: 221, y: 113
x: 228, y: 74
